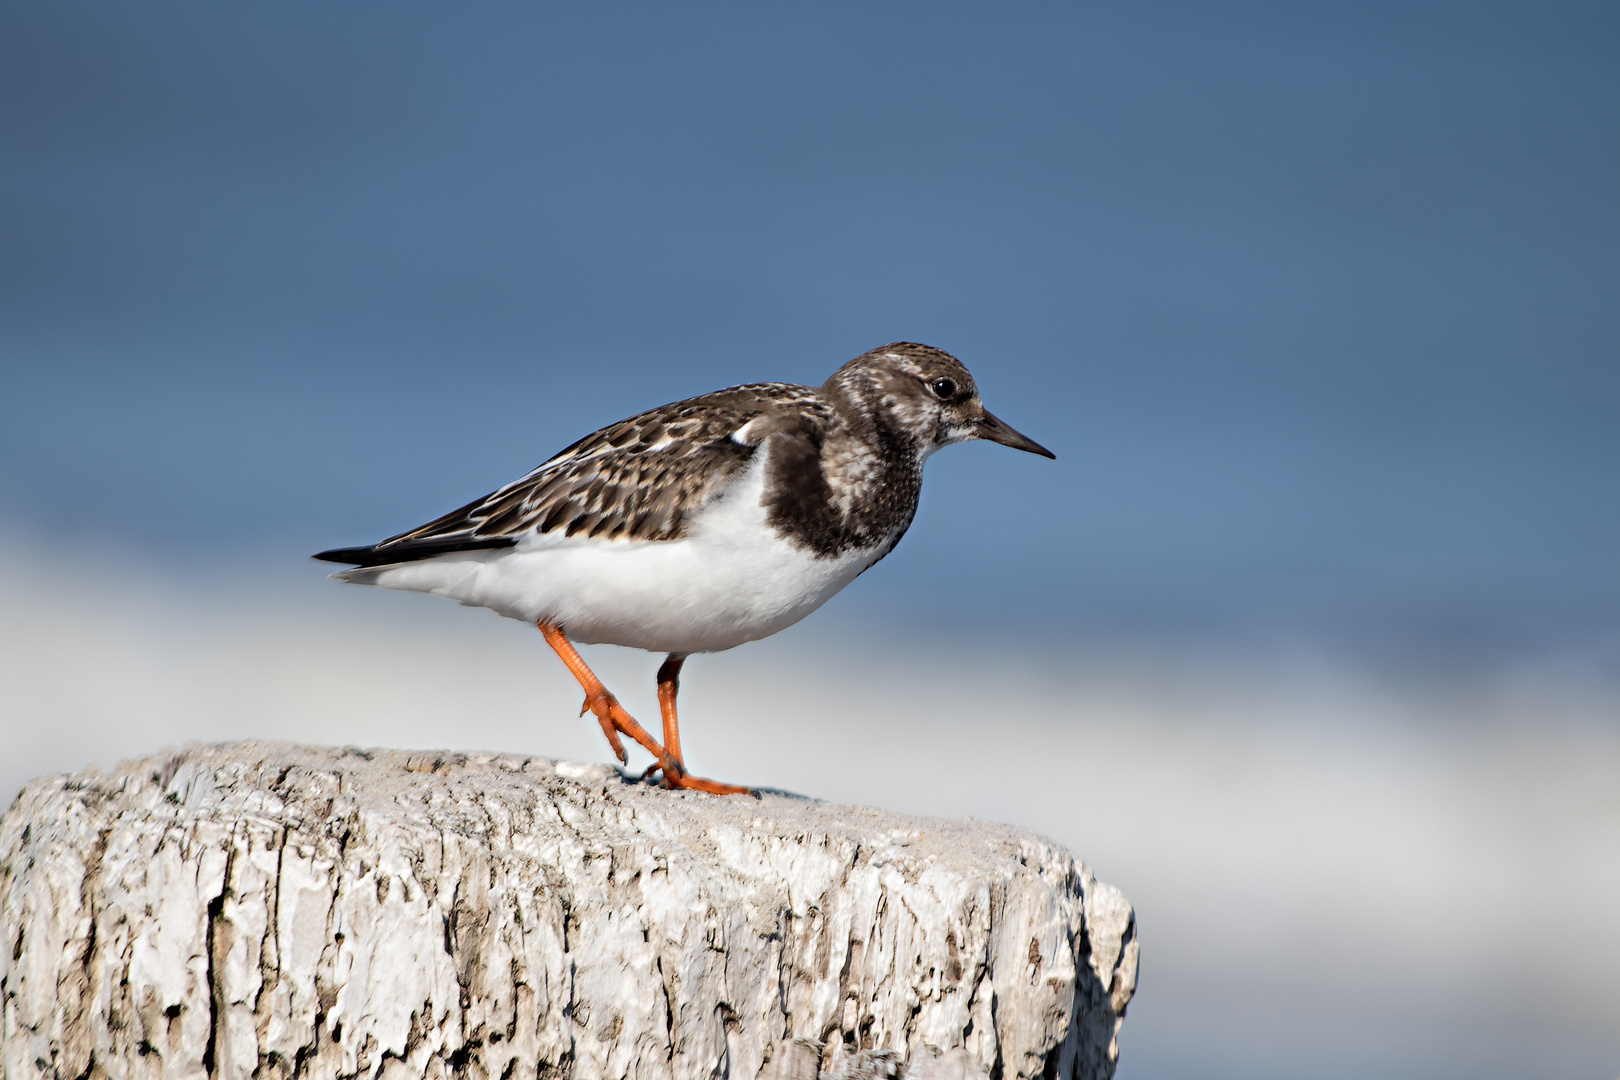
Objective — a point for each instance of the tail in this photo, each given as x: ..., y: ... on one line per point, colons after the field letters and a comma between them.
x: 361, y: 575
x: 402, y: 551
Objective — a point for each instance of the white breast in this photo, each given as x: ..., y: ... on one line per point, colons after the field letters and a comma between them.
x: 731, y: 579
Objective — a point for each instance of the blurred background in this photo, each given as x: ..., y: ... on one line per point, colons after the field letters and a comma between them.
x: 1309, y: 640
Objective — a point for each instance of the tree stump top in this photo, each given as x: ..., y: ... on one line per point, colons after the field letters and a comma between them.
x: 309, y: 911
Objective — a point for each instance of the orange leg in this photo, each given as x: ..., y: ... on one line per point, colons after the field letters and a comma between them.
x: 609, y: 713
x: 669, y: 684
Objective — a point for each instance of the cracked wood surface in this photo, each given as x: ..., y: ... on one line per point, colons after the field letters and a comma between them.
x: 269, y: 910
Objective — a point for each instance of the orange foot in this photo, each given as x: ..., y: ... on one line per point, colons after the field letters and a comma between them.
x: 679, y: 779
x: 614, y: 720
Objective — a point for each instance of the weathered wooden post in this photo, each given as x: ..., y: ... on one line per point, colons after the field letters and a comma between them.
x: 260, y: 909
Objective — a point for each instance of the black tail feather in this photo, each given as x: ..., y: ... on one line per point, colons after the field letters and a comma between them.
x: 410, y: 550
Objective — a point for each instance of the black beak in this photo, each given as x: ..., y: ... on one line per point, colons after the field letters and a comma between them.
x: 996, y: 431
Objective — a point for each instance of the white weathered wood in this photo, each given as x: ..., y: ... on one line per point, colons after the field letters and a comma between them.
x: 275, y: 910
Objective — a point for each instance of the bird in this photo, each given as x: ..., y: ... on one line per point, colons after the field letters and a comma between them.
x: 699, y: 525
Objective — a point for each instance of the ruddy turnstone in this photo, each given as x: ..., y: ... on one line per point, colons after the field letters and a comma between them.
x: 699, y: 525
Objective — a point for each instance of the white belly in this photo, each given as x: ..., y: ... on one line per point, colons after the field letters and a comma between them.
x: 731, y: 579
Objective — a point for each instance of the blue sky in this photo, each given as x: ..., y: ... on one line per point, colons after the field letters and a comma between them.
x: 1314, y: 302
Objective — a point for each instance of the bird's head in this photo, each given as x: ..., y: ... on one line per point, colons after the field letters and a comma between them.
x: 927, y: 394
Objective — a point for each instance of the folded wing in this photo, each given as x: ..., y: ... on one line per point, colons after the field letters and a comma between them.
x: 639, y: 479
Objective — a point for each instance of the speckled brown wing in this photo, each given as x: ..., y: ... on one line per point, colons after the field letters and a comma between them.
x: 638, y: 479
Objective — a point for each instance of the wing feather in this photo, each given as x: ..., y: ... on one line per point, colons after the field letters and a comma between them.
x: 639, y: 479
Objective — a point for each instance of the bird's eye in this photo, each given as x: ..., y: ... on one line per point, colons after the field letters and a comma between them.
x: 944, y: 389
